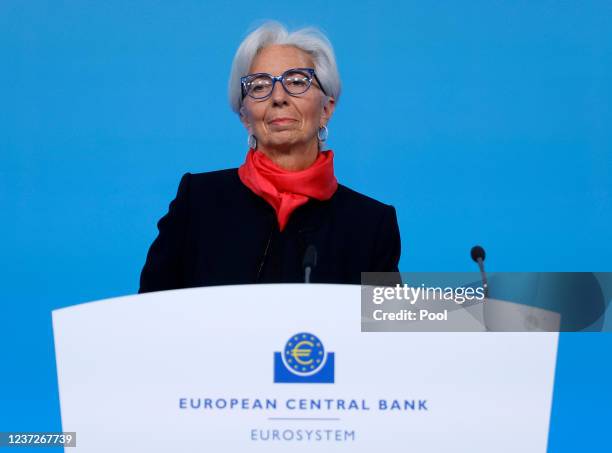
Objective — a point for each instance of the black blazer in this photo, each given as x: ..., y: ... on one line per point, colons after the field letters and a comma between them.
x: 218, y: 232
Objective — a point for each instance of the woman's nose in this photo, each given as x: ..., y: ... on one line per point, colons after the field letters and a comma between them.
x: 279, y: 95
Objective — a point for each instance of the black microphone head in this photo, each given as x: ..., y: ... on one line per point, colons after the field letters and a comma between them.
x: 478, y: 253
x: 310, y: 257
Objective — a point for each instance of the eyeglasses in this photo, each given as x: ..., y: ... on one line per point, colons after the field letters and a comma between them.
x: 295, y: 81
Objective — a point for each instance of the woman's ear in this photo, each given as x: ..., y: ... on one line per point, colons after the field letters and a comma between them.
x: 329, y: 104
x: 244, y: 119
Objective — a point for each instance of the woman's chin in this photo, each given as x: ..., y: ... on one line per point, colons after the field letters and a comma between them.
x: 285, y: 144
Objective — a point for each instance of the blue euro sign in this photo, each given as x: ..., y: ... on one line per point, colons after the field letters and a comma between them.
x: 304, y: 360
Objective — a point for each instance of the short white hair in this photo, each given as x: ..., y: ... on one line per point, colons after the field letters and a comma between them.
x: 310, y: 40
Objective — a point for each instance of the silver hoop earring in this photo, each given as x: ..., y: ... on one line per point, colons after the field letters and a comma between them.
x: 323, y: 133
x: 252, y: 142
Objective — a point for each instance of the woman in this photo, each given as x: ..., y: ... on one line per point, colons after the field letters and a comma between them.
x: 260, y: 222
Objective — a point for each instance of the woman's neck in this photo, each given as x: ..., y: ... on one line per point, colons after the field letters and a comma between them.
x: 295, y: 159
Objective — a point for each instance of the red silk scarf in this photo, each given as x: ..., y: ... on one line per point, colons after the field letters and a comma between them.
x: 286, y: 190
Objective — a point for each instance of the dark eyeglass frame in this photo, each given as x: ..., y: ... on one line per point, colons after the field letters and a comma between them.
x: 281, y: 78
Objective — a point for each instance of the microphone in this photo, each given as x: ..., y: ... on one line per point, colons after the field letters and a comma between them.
x: 267, y: 249
x: 478, y: 255
x: 310, y: 262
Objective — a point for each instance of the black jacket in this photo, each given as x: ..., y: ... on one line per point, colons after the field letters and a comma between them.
x: 218, y: 232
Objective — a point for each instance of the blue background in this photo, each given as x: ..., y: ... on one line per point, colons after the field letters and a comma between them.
x: 482, y: 122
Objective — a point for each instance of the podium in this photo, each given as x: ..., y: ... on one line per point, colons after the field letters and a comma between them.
x: 270, y: 368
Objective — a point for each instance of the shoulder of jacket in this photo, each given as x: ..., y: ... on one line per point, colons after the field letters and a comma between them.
x: 213, y: 179
x: 356, y: 199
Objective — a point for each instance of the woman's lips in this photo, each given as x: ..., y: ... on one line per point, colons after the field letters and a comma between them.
x: 282, y: 121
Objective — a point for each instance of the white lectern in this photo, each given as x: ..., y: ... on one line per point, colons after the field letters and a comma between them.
x: 271, y: 368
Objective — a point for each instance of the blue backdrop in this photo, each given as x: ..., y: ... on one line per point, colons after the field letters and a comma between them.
x: 482, y: 122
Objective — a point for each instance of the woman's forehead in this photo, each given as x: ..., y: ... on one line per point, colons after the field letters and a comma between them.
x: 276, y: 59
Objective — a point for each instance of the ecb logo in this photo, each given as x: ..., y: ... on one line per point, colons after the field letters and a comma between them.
x: 304, y: 360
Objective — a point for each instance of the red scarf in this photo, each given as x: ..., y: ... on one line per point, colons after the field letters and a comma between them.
x: 286, y: 190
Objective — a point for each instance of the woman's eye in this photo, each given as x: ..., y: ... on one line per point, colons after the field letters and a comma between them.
x: 259, y: 86
x: 297, y: 81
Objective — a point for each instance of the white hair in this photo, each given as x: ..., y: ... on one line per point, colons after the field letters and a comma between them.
x: 310, y: 40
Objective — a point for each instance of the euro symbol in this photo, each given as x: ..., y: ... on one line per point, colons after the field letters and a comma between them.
x: 297, y: 353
